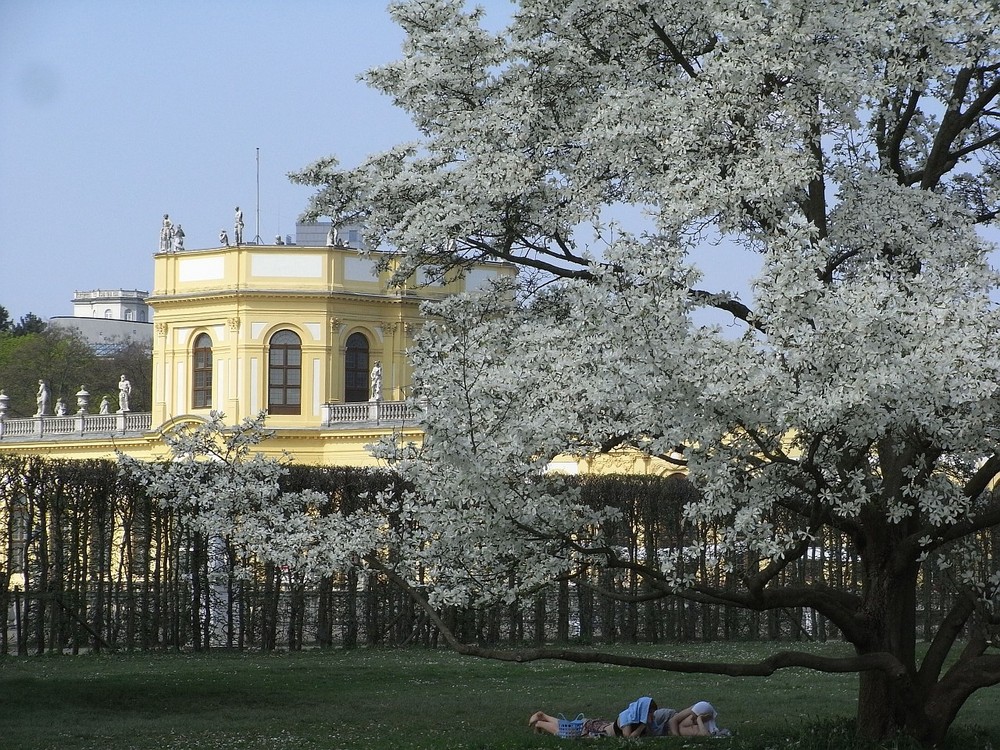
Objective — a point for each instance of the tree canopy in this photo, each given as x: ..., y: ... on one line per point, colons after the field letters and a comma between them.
x: 65, y: 361
x: 854, y: 146
x: 29, y: 323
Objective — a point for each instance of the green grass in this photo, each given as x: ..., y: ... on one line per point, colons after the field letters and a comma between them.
x: 405, y: 699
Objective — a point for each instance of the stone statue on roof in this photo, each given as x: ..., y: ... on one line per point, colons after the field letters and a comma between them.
x: 166, y: 235
x: 238, y: 227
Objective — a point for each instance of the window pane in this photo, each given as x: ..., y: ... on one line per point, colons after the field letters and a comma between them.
x: 201, y: 375
x: 284, y: 373
x: 356, y: 368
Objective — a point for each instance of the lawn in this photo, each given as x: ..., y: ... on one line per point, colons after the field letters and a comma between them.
x: 403, y: 699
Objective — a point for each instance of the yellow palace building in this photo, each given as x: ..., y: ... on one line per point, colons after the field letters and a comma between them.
x: 310, y: 334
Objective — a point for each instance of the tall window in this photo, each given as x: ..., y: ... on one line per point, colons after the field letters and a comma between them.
x: 201, y: 372
x: 284, y: 374
x: 356, y: 368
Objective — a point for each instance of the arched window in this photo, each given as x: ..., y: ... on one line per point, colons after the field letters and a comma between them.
x: 128, y: 314
x: 284, y: 374
x: 107, y: 313
x: 201, y: 372
x: 356, y: 368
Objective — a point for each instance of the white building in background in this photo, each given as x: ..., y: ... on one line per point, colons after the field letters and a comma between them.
x: 110, y: 318
x: 113, y: 304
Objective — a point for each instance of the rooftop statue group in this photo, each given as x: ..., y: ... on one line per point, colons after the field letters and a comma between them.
x: 61, y: 409
x: 237, y: 230
x: 172, y: 235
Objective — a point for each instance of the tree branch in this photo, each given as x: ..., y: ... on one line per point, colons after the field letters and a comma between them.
x: 984, y: 518
x: 495, y: 252
x: 733, y: 306
x: 983, y: 477
x: 672, y: 48
x: 950, y: 629
x: 880, y: 661
x: 899, y: 132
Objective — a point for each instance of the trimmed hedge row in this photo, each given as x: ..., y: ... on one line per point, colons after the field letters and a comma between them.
x: 87, y: 561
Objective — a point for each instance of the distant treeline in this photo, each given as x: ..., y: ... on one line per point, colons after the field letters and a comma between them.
x: 88, y: 561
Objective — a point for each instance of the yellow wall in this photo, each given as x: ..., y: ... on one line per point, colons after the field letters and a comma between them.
x: 240, y: 296
x: 331, y: 447
x: 621, y: 461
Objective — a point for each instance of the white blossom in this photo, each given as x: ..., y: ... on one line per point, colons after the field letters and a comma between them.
x: 851, y: 144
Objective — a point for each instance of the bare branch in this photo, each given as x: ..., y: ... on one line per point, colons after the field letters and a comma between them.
x: 733, y: 306
x: 675, y: 53
x: 882, y: 662
x: 950, y: 629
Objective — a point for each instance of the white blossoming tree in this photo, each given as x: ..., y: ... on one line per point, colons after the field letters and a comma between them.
x: 221, y: 485
x: 852, y: 144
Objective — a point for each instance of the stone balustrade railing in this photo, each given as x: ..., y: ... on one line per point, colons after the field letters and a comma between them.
x: 33, y: 428
x: 93, y: 425
x: 379, y: 412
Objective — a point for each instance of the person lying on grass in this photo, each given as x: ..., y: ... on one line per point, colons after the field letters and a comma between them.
x: 643, y: 719
x: 697, y: 721
x: 634, y: 721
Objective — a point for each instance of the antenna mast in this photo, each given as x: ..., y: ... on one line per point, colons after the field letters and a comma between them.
x: 256, y: 239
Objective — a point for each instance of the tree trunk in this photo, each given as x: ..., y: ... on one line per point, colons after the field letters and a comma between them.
x: 324, y: 613
x: 887, y: 705
x: 349, y: 635
x: 562, y: 612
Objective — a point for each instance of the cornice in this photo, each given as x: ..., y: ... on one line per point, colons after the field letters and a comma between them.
x: 245, y: 294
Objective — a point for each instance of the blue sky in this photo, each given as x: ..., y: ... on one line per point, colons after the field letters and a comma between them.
x: 114, y: 112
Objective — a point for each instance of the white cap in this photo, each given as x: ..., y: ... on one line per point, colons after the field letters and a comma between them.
x: 704, y: 708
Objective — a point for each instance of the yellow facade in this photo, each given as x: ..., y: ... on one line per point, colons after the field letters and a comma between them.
x: 232, y: 304
x: 241, y: 296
